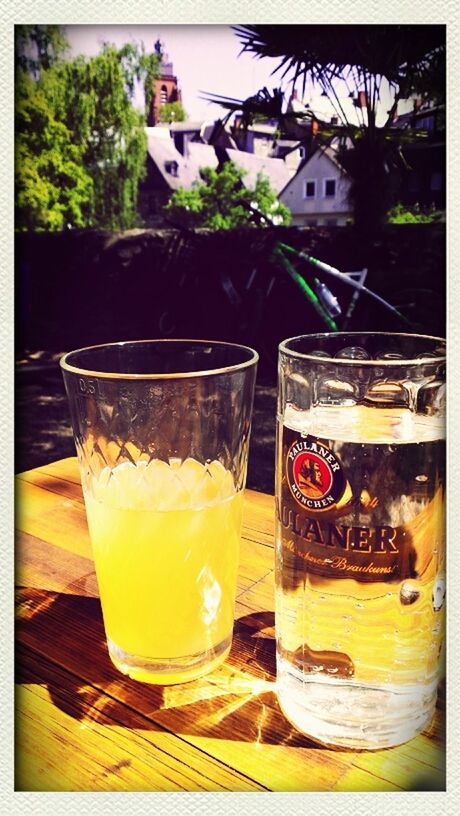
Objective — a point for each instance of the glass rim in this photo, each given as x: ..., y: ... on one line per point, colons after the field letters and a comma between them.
x: 300, y: 355
x: 171, y: 375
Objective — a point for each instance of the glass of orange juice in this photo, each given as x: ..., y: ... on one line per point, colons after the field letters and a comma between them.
x: 162, y: 430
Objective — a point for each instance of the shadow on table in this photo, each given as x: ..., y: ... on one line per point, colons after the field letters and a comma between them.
x: 61, y: 644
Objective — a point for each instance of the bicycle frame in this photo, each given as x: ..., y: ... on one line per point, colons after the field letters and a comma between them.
x: 353, y: 279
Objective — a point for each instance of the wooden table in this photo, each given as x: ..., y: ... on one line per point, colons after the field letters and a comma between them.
x: 82, y: 726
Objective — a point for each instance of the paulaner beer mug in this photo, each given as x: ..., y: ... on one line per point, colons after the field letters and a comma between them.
x: 360, y: 558
x: 162, y: 433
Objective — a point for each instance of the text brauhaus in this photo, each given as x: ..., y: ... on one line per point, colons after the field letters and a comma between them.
x: 378, y: 539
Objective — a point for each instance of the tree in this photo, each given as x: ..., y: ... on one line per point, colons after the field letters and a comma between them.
x: 365, y: 58
x: 38, y: 47
x: 52, y: 187
x: 172, y: 112
x: 80, y: 143
x: 221, y: 202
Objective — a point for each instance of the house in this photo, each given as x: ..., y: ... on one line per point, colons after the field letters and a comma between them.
x: 292, y: 151
x: 424, y: 182
x: 257, y: 138
x: 167, y: 170
x: 203, y: 155
x: 275, y: 170
x: 185, y: 133
x: 318, y: 194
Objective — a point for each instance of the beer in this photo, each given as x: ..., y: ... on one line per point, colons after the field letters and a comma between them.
x: 360, y: 578
x: 165, y: 541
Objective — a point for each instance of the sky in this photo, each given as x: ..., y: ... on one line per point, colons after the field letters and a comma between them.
x: 206, y: 58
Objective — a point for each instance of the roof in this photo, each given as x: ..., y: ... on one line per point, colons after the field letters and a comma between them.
x: 275, y: 169
x: 263, y: 127
x: 176, y: 171
x: 329, y: 152
x: 224, y: 136
x: 187, y: 127
x: 202, y: 155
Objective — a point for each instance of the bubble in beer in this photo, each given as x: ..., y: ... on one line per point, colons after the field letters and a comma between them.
x: 439, y: 593
x: 408, y: 593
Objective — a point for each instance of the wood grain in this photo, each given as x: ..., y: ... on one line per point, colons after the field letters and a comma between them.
x: 82, y: 726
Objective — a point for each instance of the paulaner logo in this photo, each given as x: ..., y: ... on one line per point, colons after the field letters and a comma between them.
x: 314, y: 474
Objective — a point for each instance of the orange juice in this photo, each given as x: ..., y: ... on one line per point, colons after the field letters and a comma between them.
x: 165, y: 540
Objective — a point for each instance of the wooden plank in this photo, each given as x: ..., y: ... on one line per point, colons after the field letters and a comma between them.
x: 416, y: 765
x: 66, y: 469
x: 52, y: 517
x: 230, y: 718
x: 42, y: 565
x: 47, y: 514
x: 232, y: 715
x: 93, y: 742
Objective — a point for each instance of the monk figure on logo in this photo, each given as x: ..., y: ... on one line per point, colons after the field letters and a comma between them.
x: 310, y: 479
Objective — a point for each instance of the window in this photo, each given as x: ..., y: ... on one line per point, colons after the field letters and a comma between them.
x: 302, y: 152
x: 329, y: 188
x: 310, y: 189
x: 172, y: 168
x: 163, y: 95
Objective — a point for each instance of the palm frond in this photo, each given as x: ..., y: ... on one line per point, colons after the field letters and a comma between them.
x: 325, y: 51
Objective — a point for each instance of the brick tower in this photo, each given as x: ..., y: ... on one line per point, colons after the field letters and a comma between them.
x: 165, y: 87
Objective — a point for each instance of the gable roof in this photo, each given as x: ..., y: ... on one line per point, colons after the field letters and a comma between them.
x: 275, y: 169
x: 329, y: 153
x: 176, y: 171
x: 203, y: 155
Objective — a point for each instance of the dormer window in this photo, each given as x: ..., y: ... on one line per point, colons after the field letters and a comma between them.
x: 172, y: 168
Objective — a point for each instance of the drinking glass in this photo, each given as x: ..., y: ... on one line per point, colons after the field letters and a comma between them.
x: 360, y: 551
x: 161, y: 429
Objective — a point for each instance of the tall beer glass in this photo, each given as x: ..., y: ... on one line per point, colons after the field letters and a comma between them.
x: 162, y: 432
x: 360, y: 558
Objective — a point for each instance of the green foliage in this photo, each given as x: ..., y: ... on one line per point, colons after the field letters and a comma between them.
x: 93, y: 98
x: 221, y: 202
x: 80, y: 143
x: 52, y: 188
x: 172, y: 112
x: 409, y: 58
x: 399, y: 214
x: 38, y: 47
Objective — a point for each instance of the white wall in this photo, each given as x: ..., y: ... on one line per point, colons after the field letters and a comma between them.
x: 321, y: 208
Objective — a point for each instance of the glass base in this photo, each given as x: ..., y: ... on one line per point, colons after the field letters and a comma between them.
x: 354, y: 715
x: 168, y: 670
